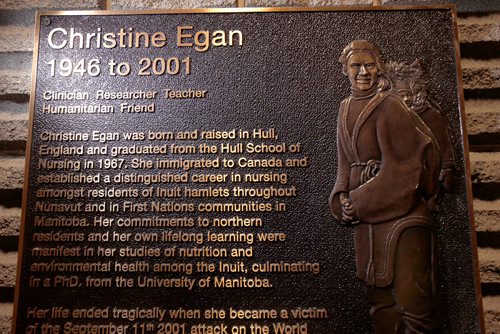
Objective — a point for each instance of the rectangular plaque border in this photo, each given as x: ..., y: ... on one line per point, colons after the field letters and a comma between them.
x: 240, y: 10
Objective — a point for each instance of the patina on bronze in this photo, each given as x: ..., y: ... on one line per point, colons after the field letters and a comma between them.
x: 179, y: 166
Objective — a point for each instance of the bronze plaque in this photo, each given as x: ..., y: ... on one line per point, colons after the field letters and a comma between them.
x: 260, y: 171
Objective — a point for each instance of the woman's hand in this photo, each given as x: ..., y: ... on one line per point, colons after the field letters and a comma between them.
x: 348, y: 210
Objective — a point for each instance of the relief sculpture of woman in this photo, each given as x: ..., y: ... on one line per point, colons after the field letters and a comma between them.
x: 388, y: 169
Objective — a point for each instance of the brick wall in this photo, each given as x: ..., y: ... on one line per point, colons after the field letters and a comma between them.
x: 480, y: 43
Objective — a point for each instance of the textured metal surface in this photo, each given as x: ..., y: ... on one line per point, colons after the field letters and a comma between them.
x: 286, y: 77
x: 463, y: 6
